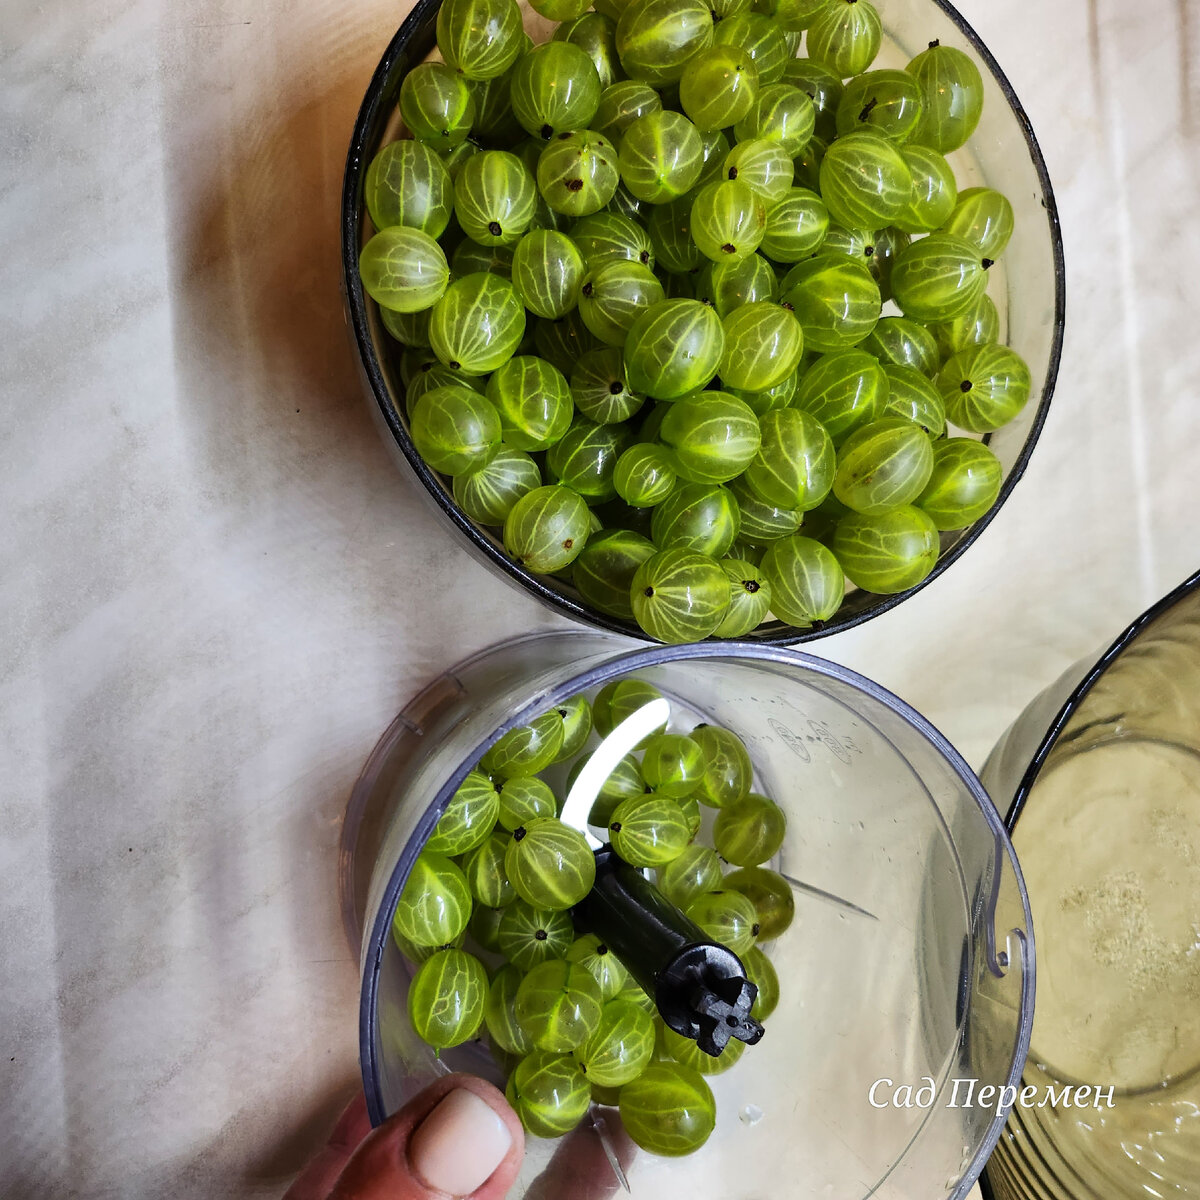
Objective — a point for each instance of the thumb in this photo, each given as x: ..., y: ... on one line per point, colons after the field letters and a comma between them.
x: 457, y: 1138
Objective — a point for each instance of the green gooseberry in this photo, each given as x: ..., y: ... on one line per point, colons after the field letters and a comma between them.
x: 743, y: 281
x: 499, y: 1012
x: 547, y: 528
x: 764, y: 165
x: 865, y: 181
x: 750, y: 831
x: 558, y: 1004
x: 601, y: 391
x: 648, y: 830
x: 549, y: 1092
x: 657, y: 38
x: 604, y: 570
x: 796, y: 226
x: 477, y: 324
x: 883, y: 466
x: 761, y: 521
x: 670, y: 227
x: 596, y: 35
x: 612, y: 296
x: 660, y: 156
x: 806, y: 581
x: 532, y: 400
x: 494, y: 197
x: 984, y: 387
x: 938, y: 277
x: 468, y: 819
x: 712, y: 436
x: 844, y: 391
x: 645, y: 475
x: 749, y: 599
x: 771, y: 896
x: 728, y: 219
x: 823, y: 87
x: 488, y: 492
x: 760, y: 39
x: 604, y: 966
x: 564, y: 341
x: 484, y: 926
x: 529, y: 935
x: 889, y: 553
x: 983, y: 217
x: 795, y: 463
x: 835, y: 299
x: 845, y: 35
x: 728, y: 773
x: 605, y: 236
x: 718, y: 87
x: 454, y: 428
x: 435, y: 905
x: 700, y: 518
x: 913, y: 397
x: 406, y: 184
x: 550, y: 864
x: 952, y: 92
x: 547, y: 270
x: 621, y: 103
x: 904, y: 343
x: 554, y: 88
x: 673, y: 348
x: 524, y: 798
x: 524, y: 751
x: 470, y: 257
x: 584, y: 459
x: 446, y: 998
x: 761, y: 973
x: 620, y: 1048
x: 672, y: 764
x: 964, y: 484
x: 934, y: 191
x: 576, y: 715
x: 480, y: 38
x: 577, y: 173
x: 403, y: 269
x: 484, y: 869
x: 886, y: 102
x: 437, y: 106
x: 727, y: 917
x: 977, y: 326
x: 668, y: 1110
x: 763, y: 346
x: 695, y: 871
x: 781, y: 113
x: 677, y: 1048
x: 617, y: 701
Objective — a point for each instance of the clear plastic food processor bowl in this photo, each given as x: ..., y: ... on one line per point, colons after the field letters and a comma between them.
x: 909, y: 964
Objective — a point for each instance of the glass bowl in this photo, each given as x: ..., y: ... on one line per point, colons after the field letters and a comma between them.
x: 1028, y: 286
x: 910, y: 961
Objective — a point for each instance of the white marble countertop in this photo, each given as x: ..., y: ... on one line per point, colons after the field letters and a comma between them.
x: 216, y: 590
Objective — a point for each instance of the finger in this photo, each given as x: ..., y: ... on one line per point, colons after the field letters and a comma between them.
x: 316, y: 1181
x: 458, y: 1137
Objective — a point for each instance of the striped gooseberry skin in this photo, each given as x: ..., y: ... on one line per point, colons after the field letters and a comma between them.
x: 904, y: 343
x: 547, y: 528
x: 823, y: 86
x: 523, y: 752
x: 596, y: 35
x: 549, y: 1093
x: 672, y: 764
x: 484, y: 871
x: 761, y: 521
x: 494, y: 120
x: 845, y: 35
x: 934, y: 191
x: 977, y: 326
x: 758, y: 37
x: 532, y: 400
x: 499, y: 1012
x: 679, y: 596
x: 794, y: 15
x: 608, y: 236
x: 584, y: 459
x: 883, y: 466
x: 761, y: 973
x: 888, y: 553
x: 844, y: 391
x: 732, y: 284
x: 983, y: 217
x: 886, y: 102
x: 657, y: 38
x: 771, y: 896
x: 913, y: 397
x: 435, y: 905
x: 727, y: 917
x: 795, y: 226
x: 453, y: 160
x: 727, y: 220
x: 437, y: 105
x: 865, y: 182
x: 612, y: 297
x: 547, y: 270
x: 621, y: 103
x: 984, y: 387
x: 484, y: 926
x: 952, y: 91
x: 577, y: 173
x: 668, y: 1109
x: 524, y: 799
x: 403, y: 269
x: 806, y: 581
x: 554, y: 88
x: 604, y: 966
x: 487, y: 493
x: 835, y: 299
x: 529, y: 935
x: 409, y: 329
x: 964, y: 484
x: 604, y: 570
x: 673, y: 348
x: 469, y: 817
x: 714, y: 146
x: 648, y: 830
x: 477, y: 324
x: 559, y: 1005
x: 494, y: 197
x: 677, y: 1049
x: 769, y: 399
x: 550, y: 864
x: 718, y: 87
x: 407, y: 184
x: 713, y: 436
x: 576, y: 716
x: 619, y: 700
x: 749, y: 603
x: 624, y: 781
x: 454, y: 428
x: 470, y: 257
x: 446, y: 998
x: 728, y: 772
x: 480, y: 38
x: 660, y: 156
x: 762, y: 165
x: 600, y: 390
x: 795, y: 464
x: 937, y: 278
x: 696, y: 870
x: 670, y: 229
x: 620, y: 1048
x: 763, y: 346
x: 781, y: 113
x: 702, y: 518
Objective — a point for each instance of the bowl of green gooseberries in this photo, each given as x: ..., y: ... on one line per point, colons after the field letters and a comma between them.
x: 729, y: 322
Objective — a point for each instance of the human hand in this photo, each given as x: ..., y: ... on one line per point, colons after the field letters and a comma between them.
x: 458, y: 1138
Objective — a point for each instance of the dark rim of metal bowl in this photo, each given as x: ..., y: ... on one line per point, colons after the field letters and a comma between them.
x: 413, y: 41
